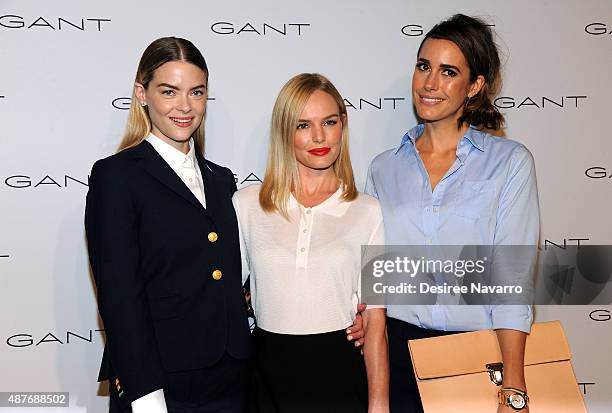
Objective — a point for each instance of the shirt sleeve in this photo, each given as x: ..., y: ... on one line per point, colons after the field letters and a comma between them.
x: 154, y: 402
x: 518, y: 224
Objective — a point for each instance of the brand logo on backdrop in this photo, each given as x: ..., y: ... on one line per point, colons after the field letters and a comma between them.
x: 68, y: 337
x: 62, y: 181
x: 412, y: 30
x: 598, y: 172
x: 584, y: 385
x: 260, y: 29
x: 381, y: 103
x: 416, y: 30
x: 598, y: 29
x: 14, y: 21
x: 4, y: 256
x: 250, y: 178
x: 600, y: 315
x: 123, y: 103
x: 564, y: 243
x: 539, y: 102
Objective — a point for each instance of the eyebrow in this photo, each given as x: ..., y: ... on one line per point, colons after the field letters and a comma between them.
x: 442, y: 65
x: 335, y: 115
x: 176, y: 88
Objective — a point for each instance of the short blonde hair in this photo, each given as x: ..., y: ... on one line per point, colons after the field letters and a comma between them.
x: 282, y: 176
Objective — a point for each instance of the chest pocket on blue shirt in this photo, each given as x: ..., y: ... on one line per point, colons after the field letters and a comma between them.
x: 475, y: 199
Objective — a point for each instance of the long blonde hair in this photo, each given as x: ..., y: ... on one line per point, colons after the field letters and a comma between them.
x: 282, y: 176
x: 162, y: 50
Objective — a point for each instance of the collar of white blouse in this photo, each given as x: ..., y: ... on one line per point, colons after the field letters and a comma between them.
x: 334, y: 205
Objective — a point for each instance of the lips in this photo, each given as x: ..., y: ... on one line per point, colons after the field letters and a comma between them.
x: 430, y: 100
x: 182, y: 122
x: 319, y: 151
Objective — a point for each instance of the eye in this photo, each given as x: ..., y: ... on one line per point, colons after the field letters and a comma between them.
x: 330, y: 122
x: 167, y: 92
x: 449, y: 72
x: 422, y: 66
x: 198, y: 92
x: 302, y: 125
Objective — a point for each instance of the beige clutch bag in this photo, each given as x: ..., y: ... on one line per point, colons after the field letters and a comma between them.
x: 462, y: 372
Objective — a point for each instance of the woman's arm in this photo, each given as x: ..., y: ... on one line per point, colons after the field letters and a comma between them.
x: 111, y: 225
x: 375, y: 351
x: 512, y: 346
x: 518, y: 220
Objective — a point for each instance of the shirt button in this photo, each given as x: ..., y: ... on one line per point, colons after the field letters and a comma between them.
x: 190, y: 180
x: 305, y: 230
x: 212, y: 236
x: 435, y: 209
x: 308, y: 211
x: 427, y: 209
x: 302, y: 249
x: 217, y: 274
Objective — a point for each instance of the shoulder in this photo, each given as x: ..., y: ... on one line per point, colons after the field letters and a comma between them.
x: 387, y: 158
x: 219, y: 170
x: 383, y: 158
x: 114, y: 165
x: 247, y: 196
x: 509, y: 149
x: 368, y: 205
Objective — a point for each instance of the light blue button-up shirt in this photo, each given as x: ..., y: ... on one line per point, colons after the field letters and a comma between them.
x: 488, y: 197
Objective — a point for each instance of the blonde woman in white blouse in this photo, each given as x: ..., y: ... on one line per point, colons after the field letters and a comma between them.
x: 302, y: 232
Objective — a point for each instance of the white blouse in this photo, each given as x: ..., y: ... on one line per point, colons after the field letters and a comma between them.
x: 184, y: 165
x: 305, y: 272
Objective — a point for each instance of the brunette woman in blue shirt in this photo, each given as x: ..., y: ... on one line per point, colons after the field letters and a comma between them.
x: 451, y: 183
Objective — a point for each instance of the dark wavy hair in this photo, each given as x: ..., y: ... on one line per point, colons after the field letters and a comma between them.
x: 475, y: 40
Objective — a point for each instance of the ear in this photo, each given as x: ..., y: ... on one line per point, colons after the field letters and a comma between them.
x: 476, y: 86
x: 139, y: 91
x: 343, y: 119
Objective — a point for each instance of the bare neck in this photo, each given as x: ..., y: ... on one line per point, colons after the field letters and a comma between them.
x: 315, y: 186
x: 440, y: 137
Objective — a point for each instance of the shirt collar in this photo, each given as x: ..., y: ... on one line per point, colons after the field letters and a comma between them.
x: 473, y: 136
x: 175, y: 158
x: 334, y: 205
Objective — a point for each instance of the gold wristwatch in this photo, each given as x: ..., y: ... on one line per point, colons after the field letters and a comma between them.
x: 515, y: 398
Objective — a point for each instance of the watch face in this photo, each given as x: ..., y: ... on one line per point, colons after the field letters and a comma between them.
x: 517, y: 401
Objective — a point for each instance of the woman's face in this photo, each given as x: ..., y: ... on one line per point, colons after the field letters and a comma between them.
x: 176, y: 99
x: 318, y: 133
x: 441, y: 81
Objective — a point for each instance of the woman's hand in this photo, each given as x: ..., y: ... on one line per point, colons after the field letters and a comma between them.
x: 356, y: 331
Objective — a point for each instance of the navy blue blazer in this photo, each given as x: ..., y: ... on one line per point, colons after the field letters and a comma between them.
x: 167, y: 270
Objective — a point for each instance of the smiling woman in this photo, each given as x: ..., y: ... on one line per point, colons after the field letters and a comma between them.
x: 176, y: 102
x: 301, y: 233
x: 450, y: 182
x: 164, y: 250
x: 169, y: 97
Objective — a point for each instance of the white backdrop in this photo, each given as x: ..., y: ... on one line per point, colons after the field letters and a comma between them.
x: 66, y: 72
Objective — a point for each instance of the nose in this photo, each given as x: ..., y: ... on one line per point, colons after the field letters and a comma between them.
x: 431, y: 81
x: 318, y: 135
x: 183, y: 104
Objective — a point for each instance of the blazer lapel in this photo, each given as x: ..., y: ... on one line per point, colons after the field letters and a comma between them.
x: 210, y: 184
x: 148, y: 158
